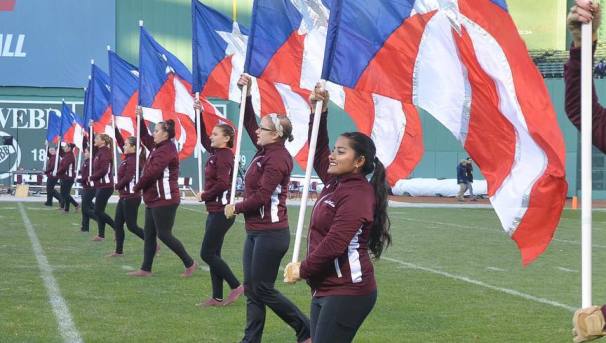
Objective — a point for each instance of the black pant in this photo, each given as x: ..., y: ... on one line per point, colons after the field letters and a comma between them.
x: 103, y: 218
x: 127, y: 211
x: 337, y: 318
x: 88, y: 209
x: 51, y: 192
x: 159, y: 223
x: 66, y: 194
x: 216, y: 228
x: 263, y: 252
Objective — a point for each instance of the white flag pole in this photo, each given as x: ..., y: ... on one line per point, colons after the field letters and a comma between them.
x: 198, y: 143
x: 310, y: 164
x: 78, y: 169
x: 57, y: 156
x: 90, y: 150
x: 138, y: 149
x: 586, y: 182
x: 114, y: 152
x: 234, y: 176
x: 45, y: 158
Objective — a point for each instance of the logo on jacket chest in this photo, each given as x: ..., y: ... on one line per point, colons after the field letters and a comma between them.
x: 329, y: 203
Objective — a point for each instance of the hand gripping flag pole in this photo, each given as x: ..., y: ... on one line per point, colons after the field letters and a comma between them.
x: 234, y: 176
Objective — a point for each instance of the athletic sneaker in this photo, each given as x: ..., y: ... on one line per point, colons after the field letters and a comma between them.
x: 189, y: 271
x: 98, y: 239
x: 234, y: 295
x: 211, y: 302
x: 140, y: 273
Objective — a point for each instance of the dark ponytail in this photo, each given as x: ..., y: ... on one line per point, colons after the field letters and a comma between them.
x: 169, y: 127
x: 380, y: 236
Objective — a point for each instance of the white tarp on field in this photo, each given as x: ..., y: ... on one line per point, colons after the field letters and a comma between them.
x: 435, y: 187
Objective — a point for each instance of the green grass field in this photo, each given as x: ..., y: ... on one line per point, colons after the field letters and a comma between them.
x: 452, y: 275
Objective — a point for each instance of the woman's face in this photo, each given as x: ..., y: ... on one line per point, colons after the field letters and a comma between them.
x: 342, y: 160
x: 266, y: 133
x: 99, y: 142
x: 218, y: 138
x: 159, y: 134
x: 128, y: 148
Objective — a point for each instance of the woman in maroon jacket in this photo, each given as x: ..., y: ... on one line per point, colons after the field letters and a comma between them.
x: 66, y: 172
x: 217, y: 176
x: 103, y: 182
x: 51, y: 180
x: 161, y: 196
x: 88, y: 192
x: 266, y: 222
x: 127, y: 208
x: 348, y: 220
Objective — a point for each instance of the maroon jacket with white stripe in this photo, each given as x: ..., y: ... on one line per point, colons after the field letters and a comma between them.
x: 126, y: 172
x: 103, y: 174
x: 217, y: 174
x: 84, y: 180
x: 67, y: 167
x: 159, y: 180
x: 338, y: 261
x: 266, y: 181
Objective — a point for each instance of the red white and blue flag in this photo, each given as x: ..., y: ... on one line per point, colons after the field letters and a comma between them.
x: 124, y: 83
x: 219, y: 51
x: 463, y: 62
x: 286, y: 46
x: 71, y: 129
x: 97, y: 106
x: 165, y: 85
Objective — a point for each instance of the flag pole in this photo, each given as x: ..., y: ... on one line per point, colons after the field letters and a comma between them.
x: 57, y: 154
x: 77, y: 193
x: 310, y: 163
x: 90, y: 150
x: 138, y: 149
x: 198, y: 143
x: 234, y: 9
x: 115, y: 148
x: 45, y: 159
x: 586, y: 177
x: 234, y: 176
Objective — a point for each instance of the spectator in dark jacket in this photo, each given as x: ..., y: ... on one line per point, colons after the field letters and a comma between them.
x: 469, y: 174
x: 161, y: 196
x: 349, y: 219
x: 217, y: 185
x: 266, y: 222
x: 462, y: 180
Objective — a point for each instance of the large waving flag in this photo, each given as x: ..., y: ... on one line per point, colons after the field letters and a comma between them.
x: 124, y: 83
x: 287, y: 46
x: 54, y: 127
x: 464, y: 62
x: 100, y: 110
x: 219, y: 51
x: 72, y: 129
x: 165, y: 84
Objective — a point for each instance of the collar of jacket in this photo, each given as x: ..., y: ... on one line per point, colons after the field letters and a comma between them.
x: 163, y: 142
x: 274, y: 146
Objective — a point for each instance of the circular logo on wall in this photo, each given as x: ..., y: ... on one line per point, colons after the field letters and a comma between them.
x: 10, y: 157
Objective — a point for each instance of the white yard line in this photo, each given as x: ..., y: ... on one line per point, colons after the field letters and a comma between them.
x: 67, y: 328
x: 481, y: 284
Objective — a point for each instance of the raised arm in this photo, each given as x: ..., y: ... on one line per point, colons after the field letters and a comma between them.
x: 119, y: 140
x: 322, y: 149
x: 146, y: 138
x: 250, y: 120
x: 204, y: 139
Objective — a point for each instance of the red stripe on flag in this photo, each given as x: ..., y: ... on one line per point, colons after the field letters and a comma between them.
x: 490, y: 134
x: 390, y: 72
x: 535, y: 231
x: 411, y: 148
x: 286, y: 64
x: 219, y: 80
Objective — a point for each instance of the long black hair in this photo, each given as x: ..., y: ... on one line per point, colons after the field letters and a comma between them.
x: 380, y: 236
